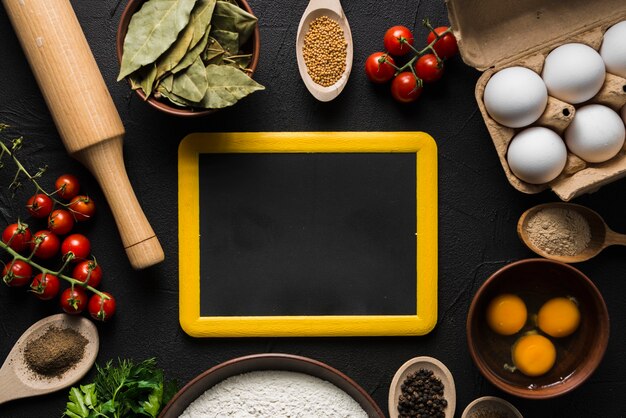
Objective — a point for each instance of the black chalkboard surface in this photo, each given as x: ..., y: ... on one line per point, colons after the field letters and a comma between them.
x: 289, y: 232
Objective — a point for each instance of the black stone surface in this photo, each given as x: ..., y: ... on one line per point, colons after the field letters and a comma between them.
x: 478, y: 209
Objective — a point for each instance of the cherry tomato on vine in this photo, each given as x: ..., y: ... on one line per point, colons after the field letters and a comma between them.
x: 17, y: 273
x: 45, y: 287
x: 101, y: 309
x: 39, y: 205
x: 82, y: 207
x: 18, y: 235
x: 428, y: 68
x: 73, y: 301
x: 379, y: 67
x: 446, y: 46
x: 67, y: 186
x: 396, y: 40
x: 49, y: 244
x: 76, y: 244
x: 88, y: 269
x: 60, y: 221
x: 404, y: 88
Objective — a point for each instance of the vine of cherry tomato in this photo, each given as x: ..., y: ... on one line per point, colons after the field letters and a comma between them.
x: 60, y: 211
x: 425, y: 66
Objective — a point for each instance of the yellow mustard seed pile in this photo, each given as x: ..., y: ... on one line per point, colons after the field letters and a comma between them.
x: 324, y: 51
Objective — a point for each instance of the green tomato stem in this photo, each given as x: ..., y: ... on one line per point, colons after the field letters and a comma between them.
x: 59, y: 273
x: 22, y: 169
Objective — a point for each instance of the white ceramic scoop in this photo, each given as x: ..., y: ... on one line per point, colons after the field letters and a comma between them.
x: 333, y: 10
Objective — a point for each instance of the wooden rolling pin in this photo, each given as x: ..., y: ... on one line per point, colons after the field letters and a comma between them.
x: 83, y: 112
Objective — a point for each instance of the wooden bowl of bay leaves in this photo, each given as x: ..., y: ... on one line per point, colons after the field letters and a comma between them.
x: 189, y: 57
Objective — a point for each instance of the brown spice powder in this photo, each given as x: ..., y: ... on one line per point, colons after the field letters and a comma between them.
x: 55, y: 352
x: 559, y: 231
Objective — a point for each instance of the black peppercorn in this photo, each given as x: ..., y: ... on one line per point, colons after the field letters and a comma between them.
x: 422, y: 396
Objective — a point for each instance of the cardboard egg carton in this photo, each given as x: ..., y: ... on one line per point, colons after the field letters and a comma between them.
x: 496, y: 34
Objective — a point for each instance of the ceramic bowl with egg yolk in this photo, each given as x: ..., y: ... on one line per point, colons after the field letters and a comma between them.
x: 578, y: 348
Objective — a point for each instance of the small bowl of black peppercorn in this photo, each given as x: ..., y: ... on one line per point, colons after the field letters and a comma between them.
x: 423, y: 386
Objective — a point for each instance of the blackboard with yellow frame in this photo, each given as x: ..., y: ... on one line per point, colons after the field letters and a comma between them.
x: 254, y: 257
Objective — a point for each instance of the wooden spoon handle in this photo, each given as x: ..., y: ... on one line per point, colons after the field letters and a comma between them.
x: 83, y: 111
x: 613, y: 238
x: 10, y: 386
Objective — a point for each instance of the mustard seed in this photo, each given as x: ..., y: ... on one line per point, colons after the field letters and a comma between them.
x: 325, y: 51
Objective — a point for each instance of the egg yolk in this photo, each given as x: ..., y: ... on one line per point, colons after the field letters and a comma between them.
x: 534, y: 355
x: 558, y: 317
x: 506, y: 314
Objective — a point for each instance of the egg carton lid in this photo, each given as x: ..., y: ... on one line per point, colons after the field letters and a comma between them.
x: 493, y: 33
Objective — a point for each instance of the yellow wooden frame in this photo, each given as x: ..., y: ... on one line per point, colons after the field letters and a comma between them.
x: 425, y: 316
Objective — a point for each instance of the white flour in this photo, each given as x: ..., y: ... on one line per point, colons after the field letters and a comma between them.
x: 274, y: 394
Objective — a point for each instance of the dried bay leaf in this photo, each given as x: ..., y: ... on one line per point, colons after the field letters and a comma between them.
x: 213, y: 52
x: 239, y: 61
x: 191, y: 84
x: 193, y: 53
x: 201, y: 20
x: 151, y: 31
x: 144, y: 79
x: 244, y: 21
x: 167, y: 83
x: 224, y: 22
x: 227, y: 85
x: 228, y: 40
x: 175, y: 53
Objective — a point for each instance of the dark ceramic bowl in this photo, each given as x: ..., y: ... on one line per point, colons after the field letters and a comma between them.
x: 253, y: 46
x: 536, y: 281
x: 257, y: 362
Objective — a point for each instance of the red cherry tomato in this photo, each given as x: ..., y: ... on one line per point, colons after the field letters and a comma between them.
x: 60, y: 221
x: 67, y: 186
x: 88, y: 272
x: 446, y: 46
x: 101, y: 309
x: 76, y: 244
x: 45, y: 287
x: 428, y: 68
x: 17, y: 236
x: 17, y: 273
x: 39, y: 205
x: 82, y: 207
x: 396, y: 40
x: 73, y: 301
x: 379, y: 67
x: 48, y: 246
x: 404, y: 88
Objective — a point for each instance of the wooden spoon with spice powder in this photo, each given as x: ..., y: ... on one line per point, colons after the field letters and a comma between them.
x: 52, y: 354
x: 580, y: 232
x: 324, y: 49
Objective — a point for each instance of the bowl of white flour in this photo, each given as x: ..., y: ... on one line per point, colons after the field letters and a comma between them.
x: 272, y: 386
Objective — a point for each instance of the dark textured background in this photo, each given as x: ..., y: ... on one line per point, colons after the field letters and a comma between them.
x: 478, y: 209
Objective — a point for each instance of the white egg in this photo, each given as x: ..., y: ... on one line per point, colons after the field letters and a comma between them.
x: 613, y: 49
x: 596, y: 133
x: 573, y: 73
x: 515, y: 97
x: 537, y: 155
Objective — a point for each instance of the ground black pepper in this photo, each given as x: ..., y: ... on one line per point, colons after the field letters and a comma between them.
x: 55, y: 352
x: 422, y: 396
x: 490, y: 413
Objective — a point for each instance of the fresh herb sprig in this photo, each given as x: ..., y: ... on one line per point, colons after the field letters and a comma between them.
x: 123, y: 390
